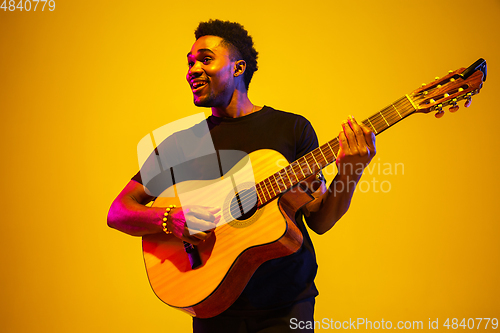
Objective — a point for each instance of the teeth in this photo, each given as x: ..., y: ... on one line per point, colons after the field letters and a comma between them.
x: 198, y: 84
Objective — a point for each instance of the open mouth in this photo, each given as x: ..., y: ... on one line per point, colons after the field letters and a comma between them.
x: 196, y: 86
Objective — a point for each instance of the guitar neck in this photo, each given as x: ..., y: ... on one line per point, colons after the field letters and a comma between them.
x: 311, y: 163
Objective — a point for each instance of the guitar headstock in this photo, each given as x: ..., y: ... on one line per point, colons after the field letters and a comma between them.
x: 458, y: 85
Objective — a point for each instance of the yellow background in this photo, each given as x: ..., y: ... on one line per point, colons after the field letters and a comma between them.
x: 80, y: 86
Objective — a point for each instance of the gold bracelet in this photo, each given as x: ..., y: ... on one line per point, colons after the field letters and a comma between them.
x: 165, y: 216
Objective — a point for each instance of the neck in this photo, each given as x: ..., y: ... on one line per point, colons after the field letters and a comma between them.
x: 238, y: 106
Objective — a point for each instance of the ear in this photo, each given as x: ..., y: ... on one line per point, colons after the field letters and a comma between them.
x: 239, y: 67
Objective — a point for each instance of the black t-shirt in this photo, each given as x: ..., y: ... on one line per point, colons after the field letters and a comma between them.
x: 192, y: 154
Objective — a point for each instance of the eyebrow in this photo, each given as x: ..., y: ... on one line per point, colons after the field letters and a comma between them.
x: 201, y: 51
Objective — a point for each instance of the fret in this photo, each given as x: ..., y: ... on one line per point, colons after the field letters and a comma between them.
x: 332, y: 150
x: 329, y: 151
x: 286, y: 177
x: 271, y: 184
x: 411, y: 102
x: 384, y: 119
x: 315, y: 161
x: 259, y: 200
x: 262, y: 194
x: 293, y: 168
x: 267, y: 183
x: 273, y: 176
x: 308, y: 166
x: 372, y: 125
x: 336, y: 147
x: 302, y: 167
x: 324, y: 157
x: 397, y: 111
x: 277, y: 183
x: 405, y: 105
x: 391, y: 118
x: 266, y: 190
x: 315, y: 166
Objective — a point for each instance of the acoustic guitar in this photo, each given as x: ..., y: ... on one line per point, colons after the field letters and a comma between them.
x: 259, y: 198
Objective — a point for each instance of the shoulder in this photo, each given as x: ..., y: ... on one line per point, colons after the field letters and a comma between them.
x: 288, y: 117
x: 185, y: 130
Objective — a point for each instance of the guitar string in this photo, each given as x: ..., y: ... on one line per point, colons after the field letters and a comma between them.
x: 390, y: 117
x: 378, y: 120
x: 277, y: 189
x: 393, y: 118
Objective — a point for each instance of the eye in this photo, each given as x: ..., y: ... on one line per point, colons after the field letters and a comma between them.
x: 206, y: 60
x: 190, y: 64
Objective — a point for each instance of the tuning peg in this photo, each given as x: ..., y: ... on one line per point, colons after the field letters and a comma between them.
x: 436, y: 78
x: 439, y: 114
x: 469, y: 100
x: 450, y: 71
x: 454, y: 107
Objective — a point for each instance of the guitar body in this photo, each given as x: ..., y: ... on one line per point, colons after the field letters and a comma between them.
x: 236, y: 248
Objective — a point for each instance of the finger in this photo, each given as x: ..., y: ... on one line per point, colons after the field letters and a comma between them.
x: 197, y: 224
x: 203, y: 213
x: 369, y: 137
x: 194, y: 237
x: 351, y: 138
x: 213, y: 210
x: 344, y: 146
x: 361, y: 144
x: 200, y: 235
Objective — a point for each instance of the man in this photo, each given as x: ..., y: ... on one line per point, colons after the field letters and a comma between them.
x: 221, y: 64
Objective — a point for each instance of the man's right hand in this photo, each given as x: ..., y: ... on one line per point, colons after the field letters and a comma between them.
x: 193, y: 224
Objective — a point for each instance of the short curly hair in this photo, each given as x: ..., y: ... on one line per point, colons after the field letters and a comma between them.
x: 237, y: 39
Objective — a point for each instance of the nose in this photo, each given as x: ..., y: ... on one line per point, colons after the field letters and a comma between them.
x: 195, y: 70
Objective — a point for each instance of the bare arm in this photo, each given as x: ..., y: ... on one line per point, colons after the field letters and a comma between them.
x: 129, y: 214
x: 357, y: 148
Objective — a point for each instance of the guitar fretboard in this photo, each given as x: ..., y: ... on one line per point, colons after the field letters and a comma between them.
x: 311, y: 163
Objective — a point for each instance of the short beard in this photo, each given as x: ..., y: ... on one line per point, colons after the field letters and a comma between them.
x: 208, y: 101
x: 212, y: 100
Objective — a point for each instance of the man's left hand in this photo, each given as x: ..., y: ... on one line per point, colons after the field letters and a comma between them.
x: 357, y: 148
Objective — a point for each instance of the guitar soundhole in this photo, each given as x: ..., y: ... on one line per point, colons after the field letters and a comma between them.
x: 244, y: 204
